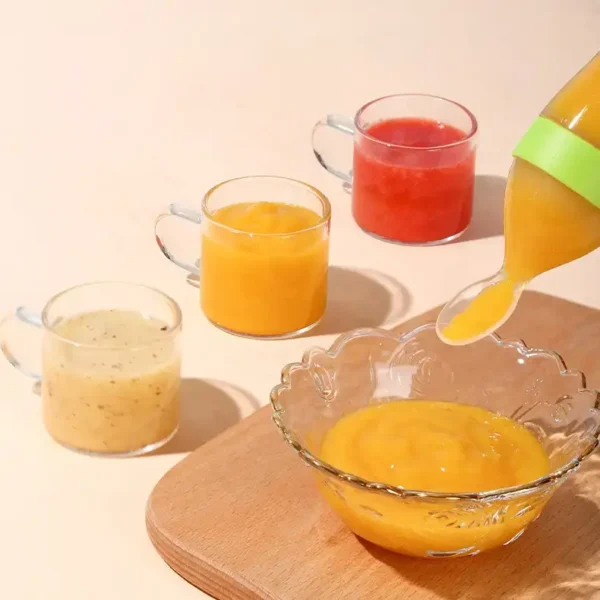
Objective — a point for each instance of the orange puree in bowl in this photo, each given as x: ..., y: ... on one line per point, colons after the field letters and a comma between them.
x: 546, y: 224
x: 436, y: 447
x: 264, y: 268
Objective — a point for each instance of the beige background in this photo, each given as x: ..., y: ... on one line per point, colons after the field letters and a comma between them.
x: 111, y: 109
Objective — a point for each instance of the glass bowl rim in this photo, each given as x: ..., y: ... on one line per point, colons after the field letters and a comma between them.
x: 372, y: 486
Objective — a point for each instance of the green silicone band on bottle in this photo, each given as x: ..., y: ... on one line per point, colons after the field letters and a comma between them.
x: 564, y: 156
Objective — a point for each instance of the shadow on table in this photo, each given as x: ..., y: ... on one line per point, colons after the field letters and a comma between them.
x: 557, y: 557
x: 488, y: 208
x: 208, y: 407
x: 361, y: 298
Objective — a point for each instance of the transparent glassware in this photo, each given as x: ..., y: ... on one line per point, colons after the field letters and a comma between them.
x: 115, y: 390
x: 252, y: 283
x: 417, y: 195
x: 532, y: 386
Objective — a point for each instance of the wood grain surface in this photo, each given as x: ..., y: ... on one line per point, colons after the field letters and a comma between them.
x: 241, y: 518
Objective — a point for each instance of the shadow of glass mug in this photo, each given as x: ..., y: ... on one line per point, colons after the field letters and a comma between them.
x: 413, y: 167
x: 107, y: 356
x: 254, y: 282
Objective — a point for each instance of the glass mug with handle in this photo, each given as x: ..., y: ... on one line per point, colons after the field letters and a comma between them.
x: 109, y: 368
x: 413, y: 169
x: 264, y: 255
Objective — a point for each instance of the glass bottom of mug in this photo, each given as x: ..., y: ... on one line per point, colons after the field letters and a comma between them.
x: 129, y: 454
x: 446, y: 240
x: 282, y: 336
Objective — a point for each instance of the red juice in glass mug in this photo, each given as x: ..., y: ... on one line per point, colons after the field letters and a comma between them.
x: 414, y: 164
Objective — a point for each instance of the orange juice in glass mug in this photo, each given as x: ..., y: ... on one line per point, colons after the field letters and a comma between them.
x: 264, y: 255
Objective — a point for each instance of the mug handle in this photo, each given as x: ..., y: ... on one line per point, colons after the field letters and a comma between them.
x: 11, y: 330
x: 180, y: 212
x: 337, y: 123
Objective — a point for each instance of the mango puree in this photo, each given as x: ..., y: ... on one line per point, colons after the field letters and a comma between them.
x: 264, y: 268
x: 436, y: 447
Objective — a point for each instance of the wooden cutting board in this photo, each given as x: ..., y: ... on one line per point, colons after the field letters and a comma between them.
x: 241, y: 517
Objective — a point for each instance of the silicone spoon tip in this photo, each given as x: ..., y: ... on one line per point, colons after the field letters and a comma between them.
x: 478, y: 310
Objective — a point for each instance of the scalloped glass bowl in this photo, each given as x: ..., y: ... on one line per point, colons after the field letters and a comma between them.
x: 367, y: 366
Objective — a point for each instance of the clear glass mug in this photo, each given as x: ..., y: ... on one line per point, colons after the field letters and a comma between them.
x: 109, y: 369
x: 254, y: 283
x: 415, y: 188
